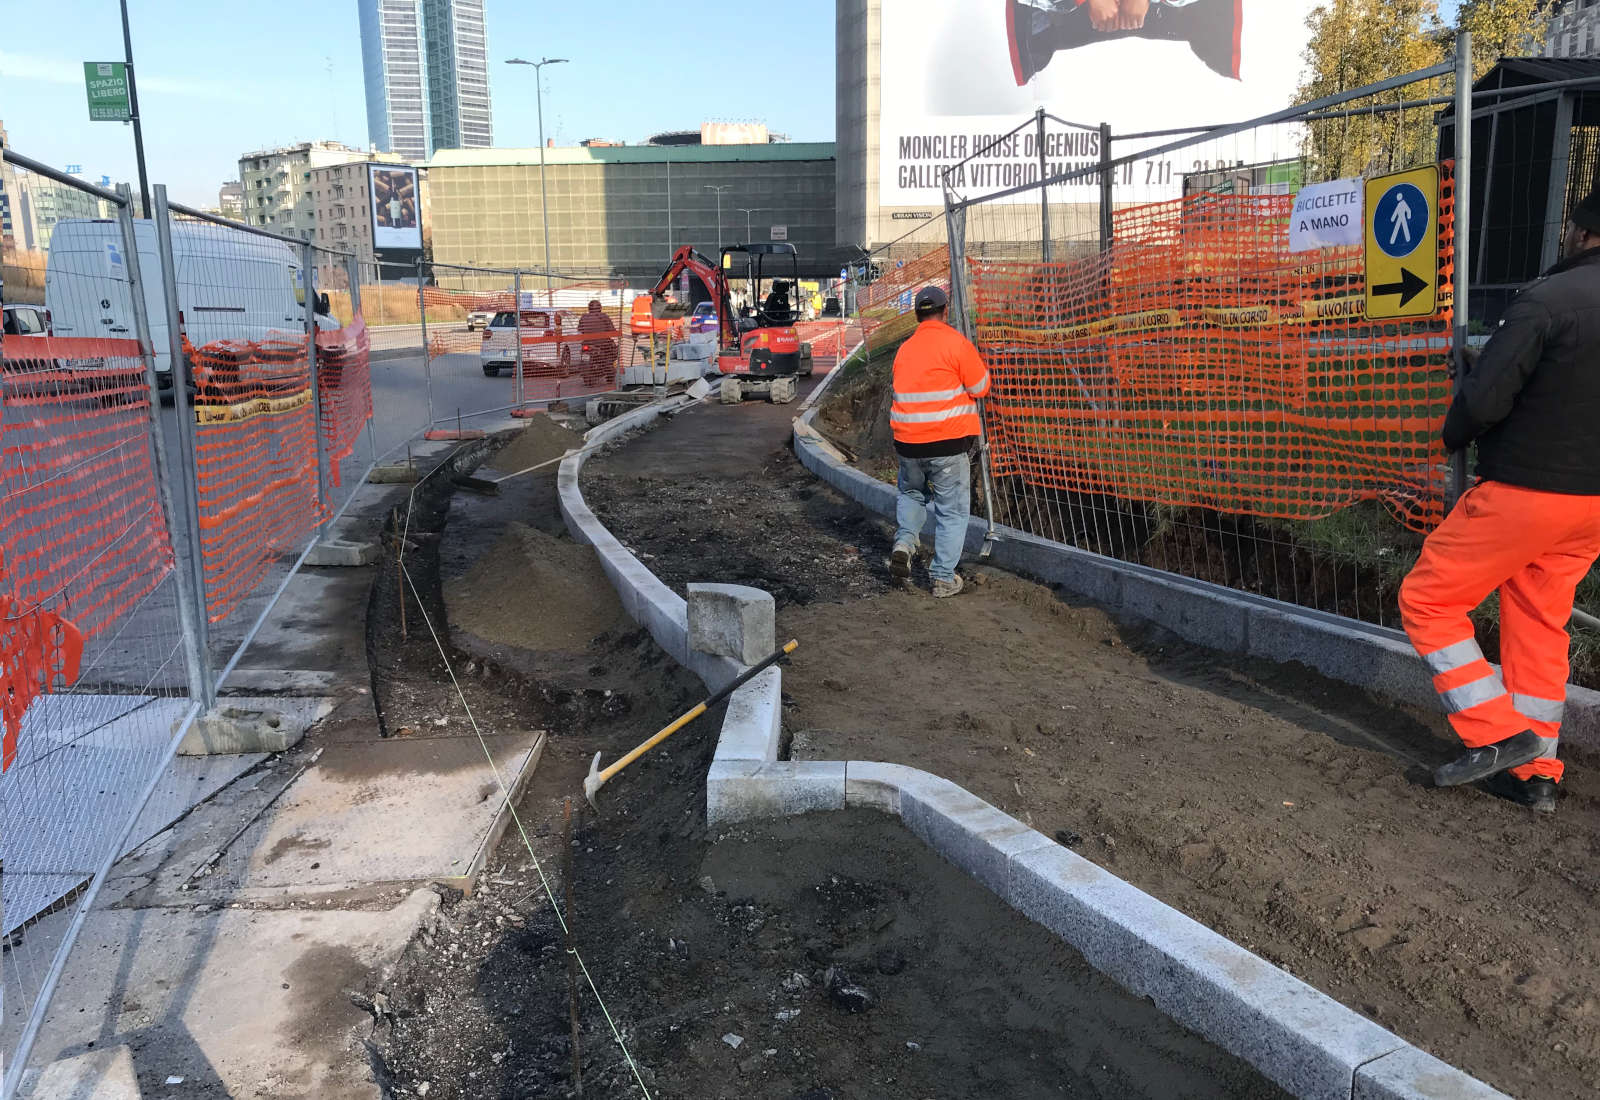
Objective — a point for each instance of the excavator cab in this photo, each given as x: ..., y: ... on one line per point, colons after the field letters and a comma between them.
x: 764, y: 354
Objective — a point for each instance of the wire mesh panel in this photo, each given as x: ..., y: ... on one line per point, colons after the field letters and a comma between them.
x: 93, y: 678
x: 893, y: 274
x: 344, y: 383
x: 241, y: 317
x: 550, y: 338
x: 1176, y: 384
x: 396, y: 359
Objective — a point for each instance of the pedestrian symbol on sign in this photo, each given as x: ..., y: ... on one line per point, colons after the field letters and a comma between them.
x: 1402, y: 221
x: 1396, y: 221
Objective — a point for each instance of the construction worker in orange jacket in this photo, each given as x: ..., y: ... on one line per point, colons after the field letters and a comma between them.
x: 938, y: 378
x: 1530, y: 527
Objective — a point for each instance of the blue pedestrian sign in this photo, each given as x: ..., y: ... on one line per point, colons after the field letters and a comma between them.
x: 1402, y: 245
x: 1399, y: 222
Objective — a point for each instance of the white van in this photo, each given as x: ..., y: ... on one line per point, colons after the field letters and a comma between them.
x: 232, y: 285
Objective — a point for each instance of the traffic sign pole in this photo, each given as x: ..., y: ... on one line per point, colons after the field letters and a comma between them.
x: 1462, y: 238
x: 133, y: 110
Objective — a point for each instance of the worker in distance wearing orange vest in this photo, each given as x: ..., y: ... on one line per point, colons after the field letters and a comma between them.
x: 938, y: 378
x: 1530, y: 527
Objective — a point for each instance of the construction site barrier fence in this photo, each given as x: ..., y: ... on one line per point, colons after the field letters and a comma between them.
x: 158, y: 487
x: 1180, y: 380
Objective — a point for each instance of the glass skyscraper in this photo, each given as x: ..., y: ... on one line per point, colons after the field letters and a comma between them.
x: 426, y: 65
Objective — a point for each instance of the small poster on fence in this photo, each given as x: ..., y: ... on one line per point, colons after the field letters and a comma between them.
x: 1326, y: 215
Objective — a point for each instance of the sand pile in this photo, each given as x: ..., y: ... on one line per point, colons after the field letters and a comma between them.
x: 535, y: 591
x: 542, y: 440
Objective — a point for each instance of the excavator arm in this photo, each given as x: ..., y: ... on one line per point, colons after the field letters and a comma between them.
x: 704, y: 269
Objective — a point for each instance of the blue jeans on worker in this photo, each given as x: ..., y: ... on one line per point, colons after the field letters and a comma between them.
x: 944, y: 485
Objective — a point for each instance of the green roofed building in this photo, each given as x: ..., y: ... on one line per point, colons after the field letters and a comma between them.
x: 622, y: 210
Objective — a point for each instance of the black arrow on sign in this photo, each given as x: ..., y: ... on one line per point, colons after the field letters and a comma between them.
x: 1408, y: 287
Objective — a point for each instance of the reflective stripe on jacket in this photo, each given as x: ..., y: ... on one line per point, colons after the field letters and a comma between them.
x: 938, y: 378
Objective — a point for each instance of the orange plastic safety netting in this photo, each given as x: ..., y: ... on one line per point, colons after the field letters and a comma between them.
x: 885, y: 305
x: 82, y: 537
x: 256, y: 460
x: 81, y: 525
x: 830, y: 340
x: 344, y: 390
x: 1199, y: 363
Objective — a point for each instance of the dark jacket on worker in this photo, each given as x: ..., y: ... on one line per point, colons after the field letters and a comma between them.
x: 1532, y: 400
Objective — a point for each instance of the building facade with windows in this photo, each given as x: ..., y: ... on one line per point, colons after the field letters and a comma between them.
x: 230, y: 200
x: 41, y: 202
x: 425, y: 66
x: 8, y: 199
x: 276, y: 184
x: 623, y: 210
x: 344, y: 205
x: 1573, y: 30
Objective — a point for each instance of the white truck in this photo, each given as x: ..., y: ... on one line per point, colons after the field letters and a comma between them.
x: 232, y: 285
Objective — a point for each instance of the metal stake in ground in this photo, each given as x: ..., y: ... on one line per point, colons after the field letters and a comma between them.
x: 572, y: 963
x: 598, y: 778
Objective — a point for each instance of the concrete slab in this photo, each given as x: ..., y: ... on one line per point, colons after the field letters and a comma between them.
x: 240, y: 724
x: 92, y: 1075
x: 247, y: 1003
x: 354, y: 818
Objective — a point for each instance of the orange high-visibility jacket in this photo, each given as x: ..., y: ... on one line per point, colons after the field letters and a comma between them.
x: 938, y: 377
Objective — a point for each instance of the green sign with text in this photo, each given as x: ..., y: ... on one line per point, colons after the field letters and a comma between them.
x: 106, y: 82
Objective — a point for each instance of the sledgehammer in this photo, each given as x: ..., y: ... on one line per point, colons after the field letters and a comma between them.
x: 597, y: 778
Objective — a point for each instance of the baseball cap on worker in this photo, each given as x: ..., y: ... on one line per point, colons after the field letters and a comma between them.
x: 1586, y: 215
x: 931, y: 298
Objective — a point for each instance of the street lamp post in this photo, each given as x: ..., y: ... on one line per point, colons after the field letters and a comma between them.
x: 747, y: 211
x: 544, y: 194
x: 719, y: 191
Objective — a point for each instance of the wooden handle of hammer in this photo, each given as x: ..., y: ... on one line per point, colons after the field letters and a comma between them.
x: 700, y: 708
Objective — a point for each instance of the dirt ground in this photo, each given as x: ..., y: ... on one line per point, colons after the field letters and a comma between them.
x: 816, y: 959
x: 1286, y: 811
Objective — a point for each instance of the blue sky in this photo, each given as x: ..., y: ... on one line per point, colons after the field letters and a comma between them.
x: 218, y: 80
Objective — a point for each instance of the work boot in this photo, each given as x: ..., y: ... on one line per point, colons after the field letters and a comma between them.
x: 943, y: 590
x: 1484, y: 761
x: 1538, y: 793
x: 900, y: 563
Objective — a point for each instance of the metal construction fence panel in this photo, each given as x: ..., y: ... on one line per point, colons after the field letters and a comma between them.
x: 181, y: 417
x: 895, y: 272
x: 553, y: 338
x: 96, y: 676
x: 1175, y: 384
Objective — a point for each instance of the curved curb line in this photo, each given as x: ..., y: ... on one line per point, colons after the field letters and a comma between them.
x: 1294, y: 1035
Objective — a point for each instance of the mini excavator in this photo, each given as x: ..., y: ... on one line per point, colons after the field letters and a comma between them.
x: 759, y: 353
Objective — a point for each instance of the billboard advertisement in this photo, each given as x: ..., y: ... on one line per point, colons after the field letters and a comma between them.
x: 957, y: 74
x: 396, y: 207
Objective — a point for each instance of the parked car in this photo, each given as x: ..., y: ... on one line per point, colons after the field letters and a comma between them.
x: 831, y: 308
x: 23, y: 320
x: 479, y: 318
x: 499, y: 349
x: 704, y: 318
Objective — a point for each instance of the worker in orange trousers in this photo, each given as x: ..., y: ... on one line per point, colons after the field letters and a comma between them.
x: 1530, y: 528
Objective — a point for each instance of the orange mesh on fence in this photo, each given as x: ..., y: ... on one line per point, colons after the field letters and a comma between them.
x: 344, y: 389
x: 1199, y: 363
x: 885, y: 305
x: 565, y: 352
x: 830, y: 341
x: 81, y: 527
x: 256, y: 456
